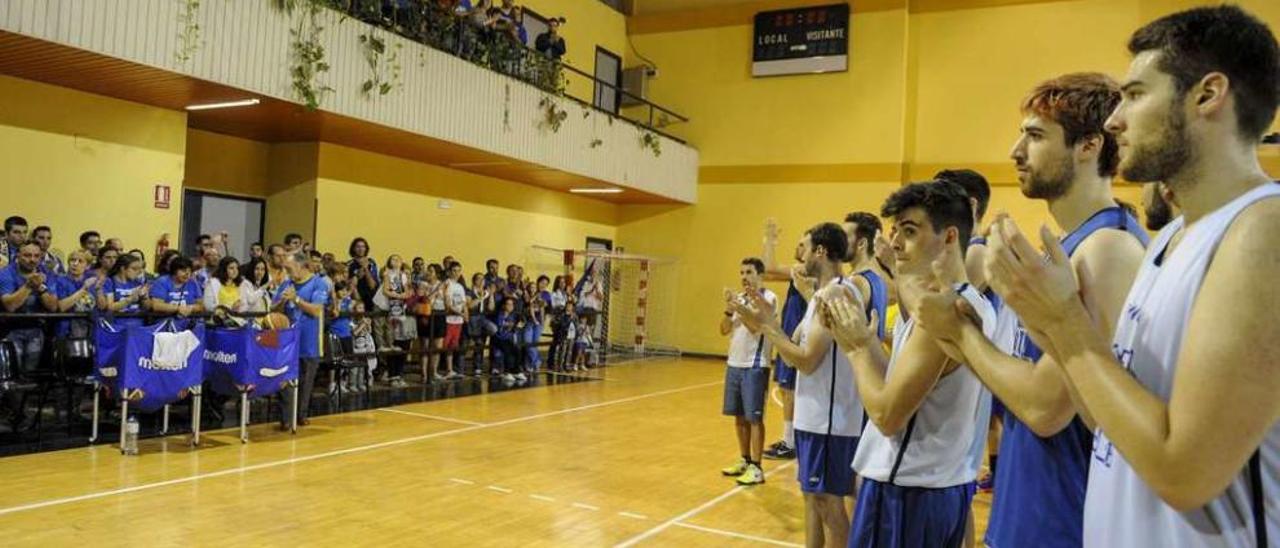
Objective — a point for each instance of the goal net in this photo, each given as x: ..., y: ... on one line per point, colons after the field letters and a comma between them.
x: 634, y: 296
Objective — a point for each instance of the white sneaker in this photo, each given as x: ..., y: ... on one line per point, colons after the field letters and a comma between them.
x: 508, y: 378
x: 454, y: 375
x: 520, y: 377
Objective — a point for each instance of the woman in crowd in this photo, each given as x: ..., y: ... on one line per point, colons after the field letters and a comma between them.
x: 76, y: 293
x: 559, y: 299
x: 142, y: 257
x: 223, y: 287
x: 253, y: 289
x: 363, y: 272
x: 106, y: 259
x: 479, y: 308
x: 124, y: 290
x: 431, y: 291
x: 177, y: 292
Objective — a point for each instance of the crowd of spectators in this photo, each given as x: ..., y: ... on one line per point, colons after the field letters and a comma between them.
x: 388, y: 311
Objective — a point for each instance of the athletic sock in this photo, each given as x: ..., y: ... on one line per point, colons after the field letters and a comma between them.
x: 788, y: 434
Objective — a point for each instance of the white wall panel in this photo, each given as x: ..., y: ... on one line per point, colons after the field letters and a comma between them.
x: 245, y: 44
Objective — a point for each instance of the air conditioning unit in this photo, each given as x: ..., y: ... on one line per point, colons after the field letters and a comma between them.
x: 635, y: 82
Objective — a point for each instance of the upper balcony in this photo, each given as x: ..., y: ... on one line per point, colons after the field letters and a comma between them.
x: 394, y: 77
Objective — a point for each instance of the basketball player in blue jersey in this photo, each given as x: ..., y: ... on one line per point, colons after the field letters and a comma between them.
x: 1065, y: 157
x: 792, y: 311
x: 1186, y: 393
x: 920, y: 451
x: 861, y: 228
x: 828, y: 412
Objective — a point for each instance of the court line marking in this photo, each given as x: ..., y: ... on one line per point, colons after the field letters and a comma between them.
x: 462, y: 481
x: 498, y: 489
x: 542, y: 498
x: 426, y: 416
x: 585, y: 506
x: 704, y: 506
x: 736, y: 535
x: 338, y: 452
x: 632, y: 516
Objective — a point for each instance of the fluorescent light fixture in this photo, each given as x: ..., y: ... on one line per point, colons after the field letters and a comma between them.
x: 480, y: 164
x: 228, y: 104
x: 595, y: 190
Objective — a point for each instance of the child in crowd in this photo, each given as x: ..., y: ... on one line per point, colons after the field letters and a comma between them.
x: 505, y: 342
x: 362, y: 343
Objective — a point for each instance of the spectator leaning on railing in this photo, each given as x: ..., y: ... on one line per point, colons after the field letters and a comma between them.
x: 550, y: 43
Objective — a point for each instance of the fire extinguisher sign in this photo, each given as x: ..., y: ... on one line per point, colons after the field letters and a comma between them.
x: 162, y: 196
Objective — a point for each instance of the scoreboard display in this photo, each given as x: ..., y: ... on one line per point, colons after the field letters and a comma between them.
x: 801, y: 41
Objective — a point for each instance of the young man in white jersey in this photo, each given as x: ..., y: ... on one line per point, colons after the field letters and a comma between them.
x: 920, y: 451
x: 1066, y: 158
x: 1187, y: 447
x: 746, y: 381
x: 828, y: 413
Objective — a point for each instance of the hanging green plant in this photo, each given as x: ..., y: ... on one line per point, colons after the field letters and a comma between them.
x: 307, y: 53
x: 189, y: 35
x: 384, y: 68
x: 506, y: 108
x: 552, y: 114
x: 652, y: 142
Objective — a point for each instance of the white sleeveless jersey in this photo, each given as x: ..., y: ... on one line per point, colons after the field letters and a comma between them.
x: 941, y: 446
x: 1120, y: 508
x: 829, y: 390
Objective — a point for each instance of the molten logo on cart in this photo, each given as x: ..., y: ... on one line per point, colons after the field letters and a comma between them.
x: 147, y: 363
x: 218, y: 356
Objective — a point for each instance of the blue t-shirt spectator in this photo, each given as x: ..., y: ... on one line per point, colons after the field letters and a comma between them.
x: 65, y: 286
x: 341, y: 326
x: 507, y: 325
x: 11, y: 280
x: 314, y: 291
x: 165, y: 289
x: 118, y: 291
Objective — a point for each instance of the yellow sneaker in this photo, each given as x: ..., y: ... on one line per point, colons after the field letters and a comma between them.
x: 737, y: 469
x: 753, y: 475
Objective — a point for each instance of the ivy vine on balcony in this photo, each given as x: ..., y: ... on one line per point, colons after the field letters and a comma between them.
x: 189, y: 34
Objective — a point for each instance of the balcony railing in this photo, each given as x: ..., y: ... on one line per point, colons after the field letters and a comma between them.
x: 427, y: 23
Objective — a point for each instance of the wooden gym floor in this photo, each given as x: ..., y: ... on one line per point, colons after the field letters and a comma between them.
x: 633, y: 458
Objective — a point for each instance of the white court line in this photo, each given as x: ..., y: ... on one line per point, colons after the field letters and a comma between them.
x: 585, y: 506
x: 543, y: 498
x: 426, y: 416
x: 339, y: 452
x: 462, y: 481
x: 664, y: 525
x: 736, y: 535
x: 498, y: 489
x: 632, y: 516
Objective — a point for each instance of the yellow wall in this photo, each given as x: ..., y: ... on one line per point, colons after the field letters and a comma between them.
x: 711, y: 238
x: 839, y: 118
x: 226, y: 164
x: 394, y: 204
x: 76, y: 161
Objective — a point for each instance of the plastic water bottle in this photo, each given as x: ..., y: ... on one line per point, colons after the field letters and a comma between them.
x: 130, y: 443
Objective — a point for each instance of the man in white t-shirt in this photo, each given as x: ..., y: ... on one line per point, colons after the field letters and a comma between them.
x: 746, y: 381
